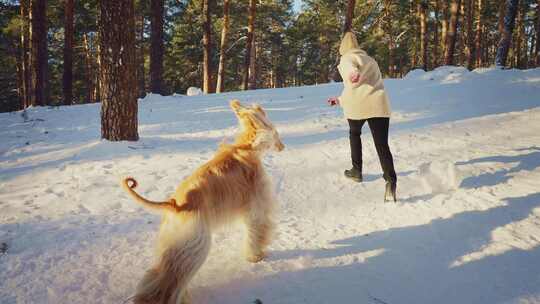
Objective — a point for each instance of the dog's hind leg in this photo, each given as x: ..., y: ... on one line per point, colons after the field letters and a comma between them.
x: 185, y: 253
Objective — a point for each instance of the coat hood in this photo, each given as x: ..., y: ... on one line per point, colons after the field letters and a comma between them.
x: 348, y: 42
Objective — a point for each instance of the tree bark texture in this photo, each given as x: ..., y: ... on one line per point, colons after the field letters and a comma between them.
x: 156, y: 47
x: 39, y: 48
x: 118, y: 72
x: 452, y: 32
x: 518, y: 54
x: 97, y: 43
x: 422, y: 7
x: 470, y: 35
x: 141, y: 75
x: 460, y: 39
x: 506, y: 36
x: 67, y: 77
x: 252, y: 83
x: 249, y: 43
x: 478, y: 39
x: 350, y: 16
x: 436, y: 34
x: 537, y: 49
x: 222, y: 47
x: 89, y: 70
x: 444, y: 25
x: 26, y: 80
x: 206, y: 46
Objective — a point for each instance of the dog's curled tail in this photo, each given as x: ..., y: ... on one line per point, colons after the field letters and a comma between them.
x: 129, y: 183
x: 184, y: 253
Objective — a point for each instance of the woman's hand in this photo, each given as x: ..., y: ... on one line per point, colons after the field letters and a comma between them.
x: 355, y: 78
x: 332, y: 101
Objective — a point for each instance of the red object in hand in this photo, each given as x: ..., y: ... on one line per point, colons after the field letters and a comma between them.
x: 333, y: 101
x: 355, y: 77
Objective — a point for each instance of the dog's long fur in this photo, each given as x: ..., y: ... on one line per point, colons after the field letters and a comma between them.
x: 232, y: 184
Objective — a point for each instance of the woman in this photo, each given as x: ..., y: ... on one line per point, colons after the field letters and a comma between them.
x: 364, y: 99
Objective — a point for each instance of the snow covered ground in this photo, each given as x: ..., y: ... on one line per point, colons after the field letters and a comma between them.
x: 466, y: 228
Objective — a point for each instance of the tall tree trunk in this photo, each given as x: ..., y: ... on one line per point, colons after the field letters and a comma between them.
x: 255, y: 47
x: 518, y: 62
x: 386, y: 26
x: 391, y: 61
x: 470, y: 35
x: 452, y: 32
x: 347, y: 26
x: 26, y: 79
x: 90, y: 71
x: 97, y: 83
x: 414, y: 18
x: 14, y: 50
x: 97, y: 67
x: 206, y: 46
x: 444, y: 26
x: 156, y: 47
x: 39, y: 48
x: 436, y: 34
x: 223, y: 45
x: 325, y: 53
x: 422, y: 7
x: 500, y: 23
x: 506, y: 36
x: 478, y: 38
x: 537, y: 49
x: 141, y: 75
x: 486, y: 50
x: 67, y: 79
x: 460, y: 39
x: 118, y: 73
x: 532, y: 55
x: 249, y: 43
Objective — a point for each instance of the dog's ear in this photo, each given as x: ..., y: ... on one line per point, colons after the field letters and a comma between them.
x: 257, y: 107
x: 260, y: 120
x: 235, y: 105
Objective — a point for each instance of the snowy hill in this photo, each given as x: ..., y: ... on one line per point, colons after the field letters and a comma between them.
x: 466, y: 228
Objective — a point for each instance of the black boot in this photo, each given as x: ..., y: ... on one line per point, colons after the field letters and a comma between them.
x: 390, y: 193
x: 354, y: 174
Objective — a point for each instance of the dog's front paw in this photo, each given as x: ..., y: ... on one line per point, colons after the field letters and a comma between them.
x: 255, y: 258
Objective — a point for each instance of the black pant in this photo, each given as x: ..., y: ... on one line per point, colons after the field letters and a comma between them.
x: 379, y: 131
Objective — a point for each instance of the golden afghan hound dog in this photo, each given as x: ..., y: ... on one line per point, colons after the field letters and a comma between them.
x: 232, y: 184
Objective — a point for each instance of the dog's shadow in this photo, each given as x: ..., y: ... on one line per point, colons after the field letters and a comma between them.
x: 428, y: 263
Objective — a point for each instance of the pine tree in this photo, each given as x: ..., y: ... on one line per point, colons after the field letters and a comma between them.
x: 156, y: 47
x: 347, y: 26
x: 118, y: 72
x: 470, y: 35
x: 140, y: 41
x: 452, y: 32
x: 444, y: 25
x: 422, y: 7
x: 249, y: 44
x: 506, y: 35
x: 26, y: 83
x: 436, y: 13
x: 39, y: 64
x: 68, y: 52
x: 537, y: 49
x: 223, y: 45
x: 479, y: 34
